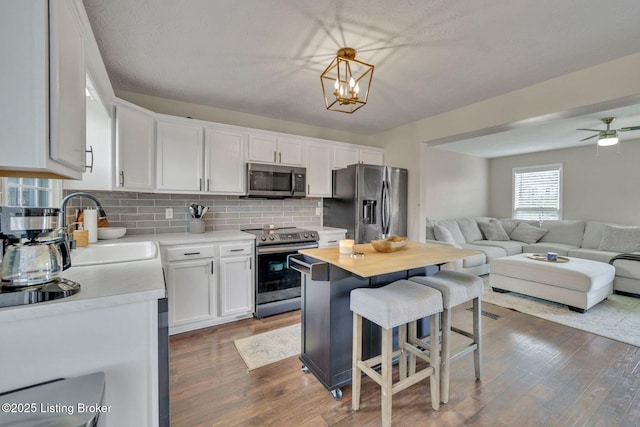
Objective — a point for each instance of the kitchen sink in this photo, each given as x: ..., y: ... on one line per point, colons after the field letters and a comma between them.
x: 111, y: 253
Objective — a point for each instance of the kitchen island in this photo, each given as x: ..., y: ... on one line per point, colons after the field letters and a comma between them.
x: 328, y: 277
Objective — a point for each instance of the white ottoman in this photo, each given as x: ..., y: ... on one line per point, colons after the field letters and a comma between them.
x: 579, y: 283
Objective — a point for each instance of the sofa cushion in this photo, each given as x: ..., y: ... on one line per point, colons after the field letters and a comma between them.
x: 620, y: 238
x: 454, y: 229
x: 511, y: 247
x: 430, y: 234
x: 493, y: 231
x: 475, y: 260
x: 444, y: 235
x: 624, y: 268
x: 509, y: 224
x: 542, y: 247
x: 527, y: 233
x: 491, y: 252
x: 592, y: 234
x: 563, y: 231
x: 592, y: 254
x: 470, y: 229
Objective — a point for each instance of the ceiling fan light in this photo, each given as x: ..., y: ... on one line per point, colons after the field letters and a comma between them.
x: 607, y: 141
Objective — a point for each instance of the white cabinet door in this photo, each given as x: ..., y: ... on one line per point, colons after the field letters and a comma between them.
x: 275, y: 150
x: 290, y: 152
x: 224, y: 161
x: 134, y: 148
x: 190, y: 288
x: 67, y: 89
x: 179, y: 148
x: 42, y: 87
x: 236, y: 285
x: 371, y: 157
x: 318, y: 170
x: 344, y: 156
x: 262, y: 148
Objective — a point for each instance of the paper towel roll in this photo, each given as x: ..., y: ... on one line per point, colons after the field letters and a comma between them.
x: 91, y: 224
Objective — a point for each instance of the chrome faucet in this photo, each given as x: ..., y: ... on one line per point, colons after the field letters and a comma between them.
x: 63, y: 211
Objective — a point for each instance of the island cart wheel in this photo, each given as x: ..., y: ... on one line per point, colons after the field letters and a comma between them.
x: 304, y: 369
x: 336, y: 393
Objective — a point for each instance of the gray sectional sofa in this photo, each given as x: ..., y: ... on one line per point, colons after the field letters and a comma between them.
x: 495, y: 238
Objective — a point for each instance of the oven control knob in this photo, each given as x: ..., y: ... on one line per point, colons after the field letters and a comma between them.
x: 271, y: 238
x: 313, y: 235
x: 263, y: 238
x: 306, y: 235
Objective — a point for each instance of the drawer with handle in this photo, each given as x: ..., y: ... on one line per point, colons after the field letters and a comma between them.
x: 236, y: 249
x: 182, y: 253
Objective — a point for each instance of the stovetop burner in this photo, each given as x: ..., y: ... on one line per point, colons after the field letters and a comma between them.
x: 275, y: 236
x: 50, y: 291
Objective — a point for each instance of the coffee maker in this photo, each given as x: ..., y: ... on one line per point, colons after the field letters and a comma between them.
x: 32, y: 257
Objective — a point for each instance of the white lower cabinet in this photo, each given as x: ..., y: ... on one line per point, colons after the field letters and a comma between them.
x: 208, y: 283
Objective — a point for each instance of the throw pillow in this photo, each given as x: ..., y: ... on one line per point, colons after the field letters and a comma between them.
x: 527, y: 233
x: 493, y: 231
x: 444, y: 235
x: 430, y: 234
x: 620, y: 239
x: 508, y: 224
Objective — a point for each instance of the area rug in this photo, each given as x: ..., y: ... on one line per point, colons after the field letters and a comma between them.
x: 269, y: 347
x: 618, y: 317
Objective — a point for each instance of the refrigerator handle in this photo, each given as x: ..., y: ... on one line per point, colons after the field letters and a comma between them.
x: 386, y: 211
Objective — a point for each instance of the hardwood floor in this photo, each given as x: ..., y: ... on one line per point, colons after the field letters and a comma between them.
x: 535, y: 373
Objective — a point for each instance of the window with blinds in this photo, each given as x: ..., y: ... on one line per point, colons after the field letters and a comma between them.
x: 537, y: 192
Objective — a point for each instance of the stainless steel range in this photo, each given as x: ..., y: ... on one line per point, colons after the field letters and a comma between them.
x: 278, y: 289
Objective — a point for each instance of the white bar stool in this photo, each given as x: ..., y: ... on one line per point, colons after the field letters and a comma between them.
x: 395, y: 305
x: 456, y: 288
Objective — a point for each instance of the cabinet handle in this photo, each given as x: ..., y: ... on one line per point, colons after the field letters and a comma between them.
x: 280, y: 157
x: 121, y: 178
x: 200, y: 185
x: 211, y: 266
x: 90, y: 167
x: 192, y: 253
x: 332, y: 241
x: 308, y: 189
x: 249, y: 263
x: 208, y: 180
x: 274, y: 157
x: 236, y: 250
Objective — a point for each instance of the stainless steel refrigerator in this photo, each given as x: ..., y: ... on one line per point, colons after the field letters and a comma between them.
x: 369, y: 201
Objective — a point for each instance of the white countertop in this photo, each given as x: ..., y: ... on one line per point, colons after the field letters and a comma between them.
x: 100, y: 286
x: 183, y: 238
x: 117, y: 283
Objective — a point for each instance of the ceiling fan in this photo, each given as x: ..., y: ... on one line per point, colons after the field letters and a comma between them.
x: 608, y: 136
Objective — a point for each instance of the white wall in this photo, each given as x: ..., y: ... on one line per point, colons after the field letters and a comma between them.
x: 454, y: 185
x: 595, y: 187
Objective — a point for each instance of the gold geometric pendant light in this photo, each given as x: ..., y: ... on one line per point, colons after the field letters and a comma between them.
x: 346, y: 82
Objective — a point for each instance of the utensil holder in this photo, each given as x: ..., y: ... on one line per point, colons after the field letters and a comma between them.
x: 196, y: 226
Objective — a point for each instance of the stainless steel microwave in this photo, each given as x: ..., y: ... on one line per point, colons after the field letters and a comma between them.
x: 275, y: 181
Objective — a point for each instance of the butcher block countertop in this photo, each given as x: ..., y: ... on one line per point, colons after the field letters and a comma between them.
x: 413, y: 255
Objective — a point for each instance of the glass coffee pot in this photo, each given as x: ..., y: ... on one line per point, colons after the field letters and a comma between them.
x: 32, y: 263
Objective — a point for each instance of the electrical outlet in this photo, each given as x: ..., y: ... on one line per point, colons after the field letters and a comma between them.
x: 168, y: 213
x: 318, y: 211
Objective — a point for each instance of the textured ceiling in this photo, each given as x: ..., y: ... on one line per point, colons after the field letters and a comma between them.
x: 265, y: 57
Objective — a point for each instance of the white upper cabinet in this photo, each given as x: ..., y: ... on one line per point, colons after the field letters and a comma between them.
x: 372, y: 156
x: 180, y: 156
x: 318, y: 170
x: 265, y: 148
x: 224, y: 161
x: 344, y: 156
x: 42, y: 111
x: 134, y: 148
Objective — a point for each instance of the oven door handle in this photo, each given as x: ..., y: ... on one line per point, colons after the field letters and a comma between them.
x: 284, y: 248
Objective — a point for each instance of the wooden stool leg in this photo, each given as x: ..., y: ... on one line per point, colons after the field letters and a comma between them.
x: 413, y: 334
x: 477, y: 334
x: 402, y: 361
x: 445, y: 363
x: 356, y: 373
x: 434, y: 359
x: 387, y: 371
